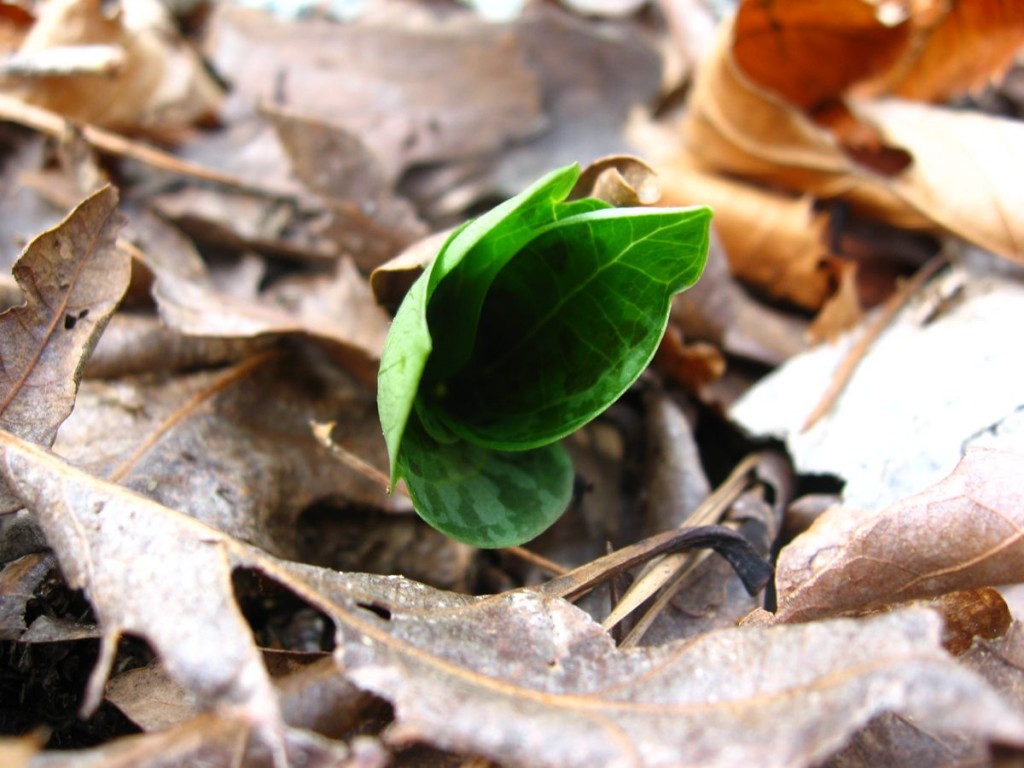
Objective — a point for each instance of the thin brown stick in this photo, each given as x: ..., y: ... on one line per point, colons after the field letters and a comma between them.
x: 538, y: 560
x: 55, y: 125
x: 848, y: 365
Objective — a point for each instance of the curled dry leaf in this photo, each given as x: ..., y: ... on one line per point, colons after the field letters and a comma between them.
x: 962, y: 533
x: 811, y: 53
x: 962, y: 176
x: 774, y: 243
x: 73, y: 278
x: 955, y: 48
x: 621, y: 180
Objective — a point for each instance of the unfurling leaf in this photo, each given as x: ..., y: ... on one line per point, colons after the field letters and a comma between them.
x: 530, y: 322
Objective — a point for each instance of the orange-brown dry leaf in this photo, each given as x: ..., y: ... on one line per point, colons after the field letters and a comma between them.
x: 809, y: 52
x: 970, y: 614
x: 773, y: 242
x: 956, y: 47
x: 73, y: 278
x: 161, y: 85
x: 962, y: 533
x: 963, y: 177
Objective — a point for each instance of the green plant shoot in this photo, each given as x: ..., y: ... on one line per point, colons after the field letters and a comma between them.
x: 530, y: 322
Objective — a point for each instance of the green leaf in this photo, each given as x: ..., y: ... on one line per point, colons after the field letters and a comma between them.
x: 570, y: 323
x: 530, y: 322
x: 467, y: 491
x: 493, y: 239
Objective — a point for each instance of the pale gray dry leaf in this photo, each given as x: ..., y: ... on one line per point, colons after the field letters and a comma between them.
x: 247, y: 221
x: 966, y: 531
x: 134, y: 344
x: 940, y: 378
x: 526, y: 680
x: 73, y: 278
x: 232, y: 448
x: 149, y: 698
x: 414, y: 91
x: 1001, y: 662
x: 149, y: 572
x: 592, y: 76
x: 26, y: 213
x: 519, y: 678
x: 676, y: 483
x: 213, y: 740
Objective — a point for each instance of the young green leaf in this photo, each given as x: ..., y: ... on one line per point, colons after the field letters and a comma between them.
x: 484, y: 497
x: 530, y: 322
x: 566, y: 329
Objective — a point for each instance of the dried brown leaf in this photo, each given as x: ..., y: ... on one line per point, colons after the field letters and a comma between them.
x: 73, y: 278
x: 217, y: 740
x: 621, y: 180
x: 147, y: 571
x: 369, y: 221
x: 961, y: 179
x: 774, y: 243
x: 232, y: 448
x: 414, y: 92
x: 895, y: 740
x: 520, y: 678
x: 956, y: 47
x: 962, y: 533
x: 19, y: 580
x: 316, y: 697
x: 336, y: 310
x: 810, y: 53
x: 527, y: 680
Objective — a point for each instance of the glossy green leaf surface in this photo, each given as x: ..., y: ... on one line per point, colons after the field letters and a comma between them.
x: 468, y: 491
x: 529, y: 323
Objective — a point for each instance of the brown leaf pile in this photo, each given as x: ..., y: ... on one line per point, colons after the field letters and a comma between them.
x: 199, y: 563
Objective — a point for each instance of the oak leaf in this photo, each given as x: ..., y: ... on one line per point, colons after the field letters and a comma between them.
x: 73, y: 278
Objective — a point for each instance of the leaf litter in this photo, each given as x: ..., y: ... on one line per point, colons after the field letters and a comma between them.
x: 184, y: 535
